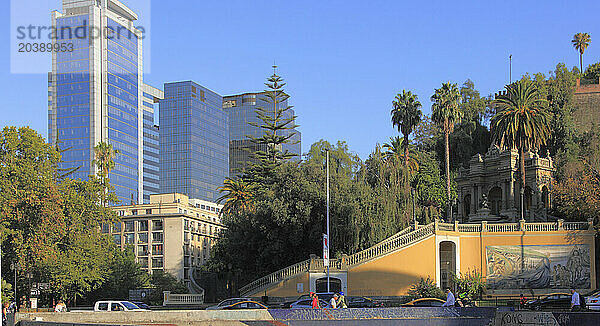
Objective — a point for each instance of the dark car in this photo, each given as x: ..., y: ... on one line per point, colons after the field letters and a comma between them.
x: 362, y: 302
x: 553, y: 301
x: 326, y: 296
x: 246, y: 305
x: 425, y: 302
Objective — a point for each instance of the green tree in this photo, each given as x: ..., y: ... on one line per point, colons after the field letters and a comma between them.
x: 105, y: 162
x: 446, y: 112
x: 277, y: 125
x: 425, y: 288
x: 580, y: 42
x: 395, y: 149
x: 238, y: 197
x: 470, y: 284
x: 162, y: 281
x: 521, y: 122
x: 406, y: 115
x: 7, y: 292
x: 592, y: 73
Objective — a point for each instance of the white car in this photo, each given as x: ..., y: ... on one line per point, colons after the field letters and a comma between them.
x: 227, y: 303
x: 307, y: 304
x: 115, y: 305
x: 592, y: 301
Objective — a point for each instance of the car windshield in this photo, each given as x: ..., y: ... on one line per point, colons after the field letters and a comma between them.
x: 129, y: 305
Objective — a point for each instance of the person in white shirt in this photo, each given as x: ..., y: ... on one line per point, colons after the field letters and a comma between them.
x: 575, y: 301
x: 333, y: 302
x: 450, y: 300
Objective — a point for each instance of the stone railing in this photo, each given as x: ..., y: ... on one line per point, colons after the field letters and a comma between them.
x: 182, y: 299
x: 469, y: 228
x: 195, y: 288
x: 445, y: 226
x: 278, y: 276
x: 574, y: 226
x: 391, y: 244
x: 541, y: 227
x: 502, y: 227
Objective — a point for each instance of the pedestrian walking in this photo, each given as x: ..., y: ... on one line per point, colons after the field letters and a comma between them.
x: 315, y: 300
x: 575, y: 301
x: 60, y: 307
x: 522, y: 301
x: 341, y: 302
x: 333, y: 301
x: 450, y: 300
x: 4, y: 314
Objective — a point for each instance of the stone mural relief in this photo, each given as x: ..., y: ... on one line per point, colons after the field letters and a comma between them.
x: 538, y: 267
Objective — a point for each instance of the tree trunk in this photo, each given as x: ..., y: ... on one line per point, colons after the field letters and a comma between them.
x: 447, y: 143
x: 407, y: 181
x: 581, y: 63
x: 522, y: 190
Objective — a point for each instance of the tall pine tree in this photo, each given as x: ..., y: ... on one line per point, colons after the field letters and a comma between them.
x: 278, y: 127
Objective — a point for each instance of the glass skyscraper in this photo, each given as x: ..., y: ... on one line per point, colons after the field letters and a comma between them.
x: 194, y: 153
x: 241, y: 109
x: 95, y: 91
x: 151, y: 98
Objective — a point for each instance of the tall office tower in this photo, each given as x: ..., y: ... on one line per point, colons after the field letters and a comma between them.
x: 96, y: 91
x: 194, y: 153
x: 241, y: 109
x: 152, y: 97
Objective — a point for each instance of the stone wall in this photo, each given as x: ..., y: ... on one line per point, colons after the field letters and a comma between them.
x: 587, y: 101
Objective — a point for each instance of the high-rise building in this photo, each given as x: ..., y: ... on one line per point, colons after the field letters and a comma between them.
x: 96, y: 91
x: 242, y: 111
x: 152, y: 97
x: 194, y: 153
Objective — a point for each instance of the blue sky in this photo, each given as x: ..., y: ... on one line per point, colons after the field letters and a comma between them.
x: 344, y: 61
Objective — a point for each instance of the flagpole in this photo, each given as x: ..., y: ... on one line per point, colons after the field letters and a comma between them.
x: 328, y: 238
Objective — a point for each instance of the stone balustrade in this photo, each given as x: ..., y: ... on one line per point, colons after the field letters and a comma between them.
x: 182, y: 299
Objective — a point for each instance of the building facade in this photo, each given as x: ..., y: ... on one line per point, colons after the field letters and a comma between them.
x: 95, y: 91
x: 151, y: 98
x: 193, y: 141
x: 490, y: 188
x: 171, y: 233
x: 241, y: 109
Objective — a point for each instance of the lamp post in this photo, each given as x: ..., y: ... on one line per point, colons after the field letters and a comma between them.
x: 328, y: 238
x: 15, y: 266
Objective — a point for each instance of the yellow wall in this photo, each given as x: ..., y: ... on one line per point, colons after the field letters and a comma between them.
x: 288, y: 288
x: 393, y: 274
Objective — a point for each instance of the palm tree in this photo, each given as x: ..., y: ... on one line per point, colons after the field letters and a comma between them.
x: 580, y: 42
x: 446, y: 112
x: 521, y: 122
x: 105, y: 161
x: 238, y: 197
x: 406, y: 115
x: 396, y: 150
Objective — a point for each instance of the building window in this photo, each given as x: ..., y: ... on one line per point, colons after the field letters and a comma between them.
x: 142, y: 237
x: 157, y: 225
x: 105, y: 228
x: 149, y: 211
x: 129, y: 226
x: 143, y: 226
x: 117, y: 239
x: 186, y: 225
x: 129, y: 238
x: 157, y: 237
x: 116, y: 227
x: 143, y: 250
x: 157, y: 249
x: 134, y: 212
x: 157, y: 262
x: 186, y: 237
x: 143, y: 261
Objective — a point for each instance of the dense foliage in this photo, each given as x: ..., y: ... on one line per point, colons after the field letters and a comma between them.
x: 425, y: 288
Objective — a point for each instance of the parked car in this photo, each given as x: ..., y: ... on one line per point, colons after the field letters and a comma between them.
x: 227, y: 303
x: 246, y: 305
x: 307, y: 304
x: 115, y: 305
x: 362, y: 302
x: 592, y: 300
x: 425, y: 302
x: 141, y: 305
x: 552, y: 301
